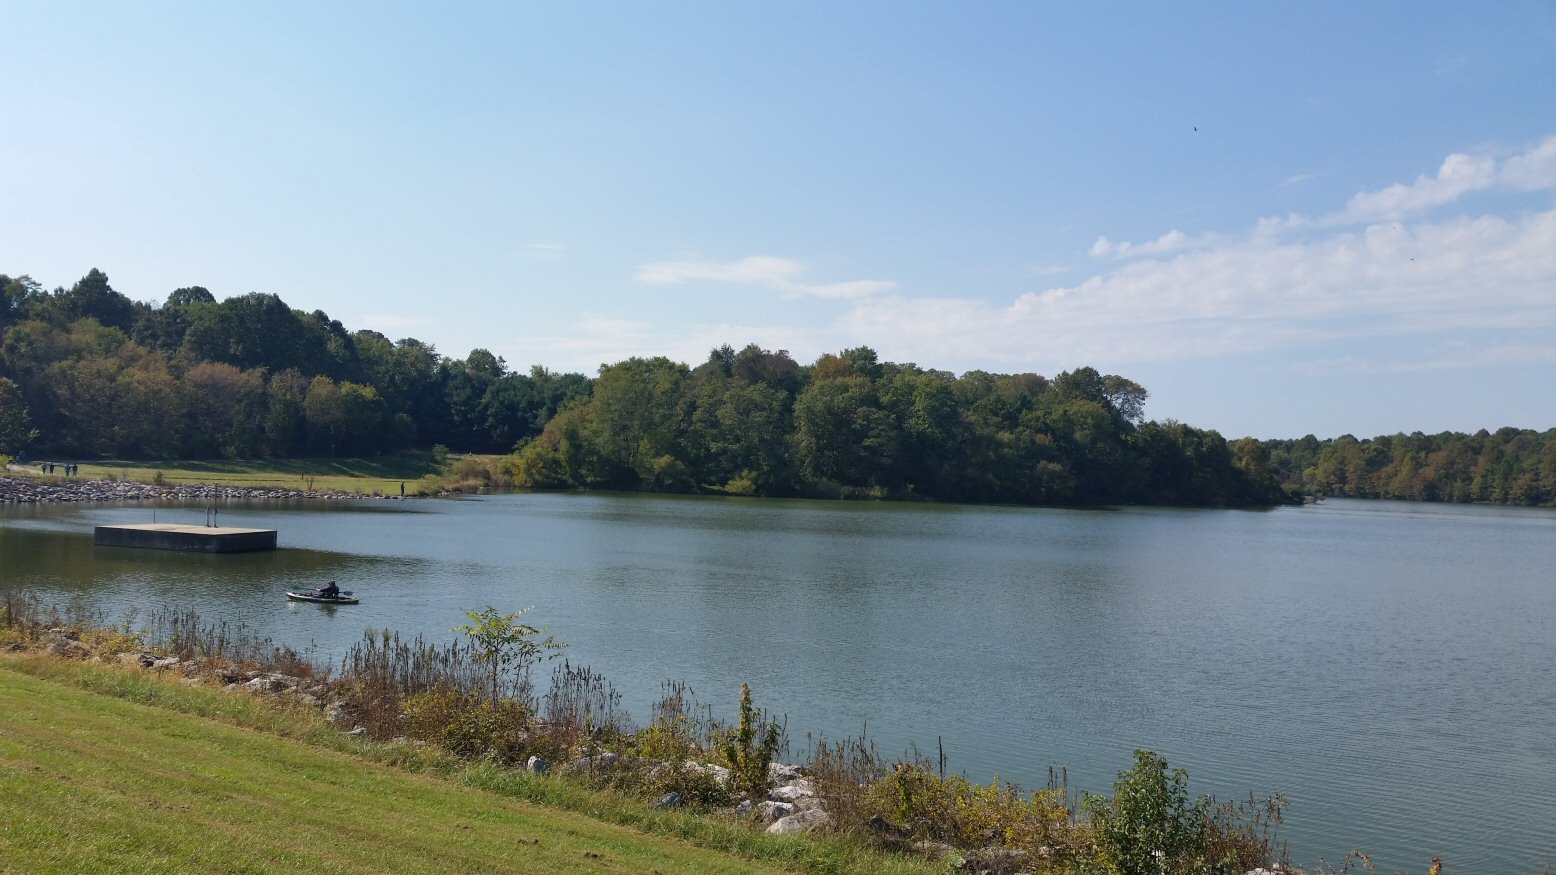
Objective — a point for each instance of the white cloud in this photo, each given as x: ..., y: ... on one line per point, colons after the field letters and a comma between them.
x: 850, y: 289
x: 1252, y: 295
x: 1459, y: 175
x: 763, y: 270
x: 595, y: 340
x: 1398, y: 294
x: 1438, y: 358
x: 543, y: 251
x: 1534, y: 169
x: 588, y: 343
x: 1172, y: 241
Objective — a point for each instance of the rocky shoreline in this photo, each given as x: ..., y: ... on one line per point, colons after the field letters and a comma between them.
x: 53, y: 490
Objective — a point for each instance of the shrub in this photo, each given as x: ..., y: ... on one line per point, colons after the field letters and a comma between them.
x: 697, y: 786
x: 468, y: 725
x: 749, y: 748
x: 743, y: 483
x: 951, y: 809
x: 1152, y: 826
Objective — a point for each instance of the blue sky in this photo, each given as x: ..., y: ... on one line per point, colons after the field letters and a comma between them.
x: 1280, y: 218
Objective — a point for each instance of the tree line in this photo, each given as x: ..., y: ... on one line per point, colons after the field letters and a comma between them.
x: 100, y: 375
x: 1508, y: 466
x: 85, y: 371
x: 755, y: 422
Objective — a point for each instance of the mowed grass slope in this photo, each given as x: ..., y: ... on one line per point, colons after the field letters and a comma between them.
x: 93, y: 783
x: 378, y: 474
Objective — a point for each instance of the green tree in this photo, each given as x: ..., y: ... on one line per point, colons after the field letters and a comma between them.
x: 465, y: 386
x: 227, y: 410
x: 753, y: 424
x: 841, y: 434
x: 637, y: 415
x: 15, y: 432
x: 753, y: 365
x: 149, y: 409
x: 504, y: 643
x: 565, y: 454
x: 325, y: 416
x: 84, y: 393
x: 164, y: 327
x: 286, y: 417
x: 16, y: 296
x: 93, y: 298
x: 364, y: 419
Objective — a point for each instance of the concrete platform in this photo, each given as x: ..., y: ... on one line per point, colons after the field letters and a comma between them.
x: 198, y: 539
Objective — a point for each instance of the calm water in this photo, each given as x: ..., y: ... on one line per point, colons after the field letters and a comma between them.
x: 1391, y: 668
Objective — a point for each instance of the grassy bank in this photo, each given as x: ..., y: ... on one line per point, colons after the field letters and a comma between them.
x: 468, y: 711
x: 421, y: 472
x: 111, y: 770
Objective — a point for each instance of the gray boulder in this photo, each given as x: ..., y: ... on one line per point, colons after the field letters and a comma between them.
x: 800, y: 789
x: 273, y: 683
x: 771, y: 811
x: 599, y: 762
x: 65, y: 645
x: 804, y: 821
x: 718, y: 773
x: 781, y: 773
x: 536, y: 765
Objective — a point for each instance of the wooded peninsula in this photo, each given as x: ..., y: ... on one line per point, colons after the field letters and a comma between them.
x: 85, y: 372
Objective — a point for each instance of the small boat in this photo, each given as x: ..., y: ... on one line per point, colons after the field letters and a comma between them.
x: 345, y: 598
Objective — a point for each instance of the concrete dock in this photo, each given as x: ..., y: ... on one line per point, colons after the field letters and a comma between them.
x: 199, y: 539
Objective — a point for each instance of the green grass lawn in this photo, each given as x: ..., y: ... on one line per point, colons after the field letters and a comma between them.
x: 94, y: 783
x: 368, y: 475
x: 108, y: 769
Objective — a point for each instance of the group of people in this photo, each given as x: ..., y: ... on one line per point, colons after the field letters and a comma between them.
x: 70, y: 468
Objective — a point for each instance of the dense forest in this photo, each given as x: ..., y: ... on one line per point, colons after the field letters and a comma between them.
x: 87, y: 372
x: 1509, y: 466
x: 102, y: 376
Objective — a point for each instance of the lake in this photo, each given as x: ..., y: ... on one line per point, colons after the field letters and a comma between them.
x: 1389, y: 667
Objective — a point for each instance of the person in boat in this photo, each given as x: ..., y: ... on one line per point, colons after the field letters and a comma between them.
x: 329, y: 591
